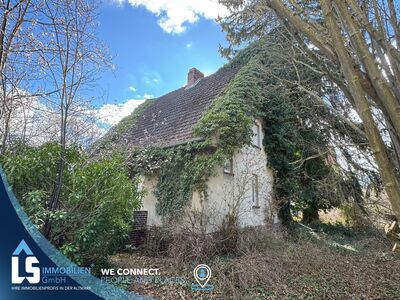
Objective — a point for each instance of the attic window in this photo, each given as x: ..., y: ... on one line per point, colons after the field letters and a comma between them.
x: 256, y: 138
x: 228, y: 166
x: 254, y: 191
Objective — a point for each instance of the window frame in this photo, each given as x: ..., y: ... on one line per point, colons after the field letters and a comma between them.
x: 230, y: 170
x: 255, y: 191
x: 257, y: 135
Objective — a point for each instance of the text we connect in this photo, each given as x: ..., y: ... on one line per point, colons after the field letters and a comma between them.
x: 111, y: 272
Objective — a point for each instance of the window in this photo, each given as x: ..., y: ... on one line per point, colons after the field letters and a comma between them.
x: 254, y: 190
x: 256, y: 138
x: 228, y: 166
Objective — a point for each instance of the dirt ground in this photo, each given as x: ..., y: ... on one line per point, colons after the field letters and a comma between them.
x: 327, y: 263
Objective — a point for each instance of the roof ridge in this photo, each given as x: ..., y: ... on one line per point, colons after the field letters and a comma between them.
x: 171, y: 117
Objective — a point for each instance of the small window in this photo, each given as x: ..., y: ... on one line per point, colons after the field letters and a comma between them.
x: 254, y: 191
x: 256, y: 139
x: 228, y: 166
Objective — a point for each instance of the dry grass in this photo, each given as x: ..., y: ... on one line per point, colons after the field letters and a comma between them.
x: 332, y: 262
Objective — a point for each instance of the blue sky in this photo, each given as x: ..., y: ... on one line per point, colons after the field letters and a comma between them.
x: 154, y: 44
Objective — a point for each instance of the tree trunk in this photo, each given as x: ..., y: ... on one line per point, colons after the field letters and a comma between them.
x: 6, y: 132
x: 385, y: 164
x: 310, y: 214
x: 284, y: 214
x: 396, y: 146
x: 55, y: 195
x: 386, y: 95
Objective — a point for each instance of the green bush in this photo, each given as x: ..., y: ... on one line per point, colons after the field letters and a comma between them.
x: 96, y: 205
x: 31, y: 169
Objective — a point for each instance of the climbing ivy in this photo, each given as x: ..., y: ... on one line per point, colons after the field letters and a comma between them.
x: 180, y: 170
x: 181, y: 177
x: 230, y: 119
x: 290, y: 139
x: 225, y: 127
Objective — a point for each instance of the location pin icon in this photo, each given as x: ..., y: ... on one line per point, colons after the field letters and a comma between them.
x: 202, y: 274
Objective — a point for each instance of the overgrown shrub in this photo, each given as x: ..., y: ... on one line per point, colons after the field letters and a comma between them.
x: 31, y: 169
x: 192, y: 246
x: 180, y: 244
x: 353, y: 216
x: 184, y: 243
x: 96, y: 205
x: 227, y: 236
x: 157, y: 241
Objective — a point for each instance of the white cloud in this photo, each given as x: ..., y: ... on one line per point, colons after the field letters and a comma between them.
x: 37, y: 122
x: 174, y: 15
x: 132, y: 88
x: 151, y: 78
x: 148, y: 96
x: 111, y: 114
x: 189, y: 45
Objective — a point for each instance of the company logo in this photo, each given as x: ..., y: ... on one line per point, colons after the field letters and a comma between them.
x: 202, y: 274
x: 30, y: 260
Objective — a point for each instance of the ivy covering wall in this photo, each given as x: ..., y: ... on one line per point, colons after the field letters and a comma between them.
x: 231, y: 117
x: 226, y: 127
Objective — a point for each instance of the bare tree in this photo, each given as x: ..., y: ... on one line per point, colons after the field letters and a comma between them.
x: 354, y: 44
x: 71, y: 57
x: 33, y: 123
x: 16, y: 46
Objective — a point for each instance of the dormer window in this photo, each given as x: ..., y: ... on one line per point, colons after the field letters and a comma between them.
x: 228, y: 166
x: 256, y: 138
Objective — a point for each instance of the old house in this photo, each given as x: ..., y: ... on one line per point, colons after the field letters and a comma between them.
x: 240, y: 184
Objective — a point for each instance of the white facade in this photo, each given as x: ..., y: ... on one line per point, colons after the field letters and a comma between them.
x: 243, y: 186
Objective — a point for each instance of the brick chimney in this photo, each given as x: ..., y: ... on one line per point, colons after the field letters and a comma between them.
x: 193, y: 76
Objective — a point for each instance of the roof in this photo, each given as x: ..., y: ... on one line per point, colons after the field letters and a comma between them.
x: 169, y: 120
